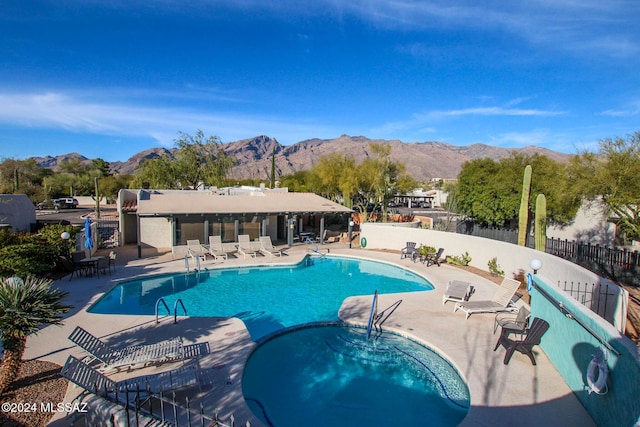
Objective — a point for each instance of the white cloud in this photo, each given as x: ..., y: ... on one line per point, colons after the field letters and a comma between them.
x: 492, y: 111
x: 54, y: 110
x: 630, y: 110
x: 420, y: 120
x: 567, y: 25
x: 547, y: 138
x: 539, y: 137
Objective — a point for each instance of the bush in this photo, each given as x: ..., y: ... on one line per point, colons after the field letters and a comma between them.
x: 27, y: 259
x: 426, y: 250
x: 23, y: 254
x: 494, y: 267
x: 463, y: 259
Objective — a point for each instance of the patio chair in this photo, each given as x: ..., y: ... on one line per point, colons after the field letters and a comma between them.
x: 531, y: 337
x: 103, y: 266
x: 457, y: 291
x: 509, y: 322
x: 112, y: 261
x: 500, y: 302
x: 267, y: 248
x: 408, y: 250
x: 244, y: 246
x: 77, y: 268
x: 131, y: 389
x: 216, y: 250
x: 431, y: 259
x: 195, y: 249
x: 111, y: 358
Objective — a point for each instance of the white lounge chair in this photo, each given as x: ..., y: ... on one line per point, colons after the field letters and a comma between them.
x: 93, y: 381
x: 216, y: 249
x: 267, y: 248
x: 111, y: 358
x: 501, y: 300
x: 457, y: 291
x: 244, y: 246
x: 196, y: 249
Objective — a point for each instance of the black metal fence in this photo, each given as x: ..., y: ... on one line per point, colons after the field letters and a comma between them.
x: 598, y: 297
x: 139, y: 407
x: 620, y: 265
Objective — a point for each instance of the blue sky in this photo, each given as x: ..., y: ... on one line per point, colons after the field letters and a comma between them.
x: 111, y: 78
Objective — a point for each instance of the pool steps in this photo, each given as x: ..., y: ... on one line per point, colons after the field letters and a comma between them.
x: 392, y: 354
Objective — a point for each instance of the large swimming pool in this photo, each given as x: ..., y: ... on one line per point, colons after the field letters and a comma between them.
x: 267, y: 299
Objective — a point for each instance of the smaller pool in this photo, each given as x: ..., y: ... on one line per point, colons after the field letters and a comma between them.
x: 331, y: 375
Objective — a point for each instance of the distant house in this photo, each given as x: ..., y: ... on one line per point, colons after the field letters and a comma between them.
x: 17, y: 212
x: 167, y: 218
x: 592, y: 224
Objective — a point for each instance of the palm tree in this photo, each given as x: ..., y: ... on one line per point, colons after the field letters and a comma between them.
x: 25, y: 305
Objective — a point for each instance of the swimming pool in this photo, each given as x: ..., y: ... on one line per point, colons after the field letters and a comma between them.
x: 268, y: 298
x: 331, y: 375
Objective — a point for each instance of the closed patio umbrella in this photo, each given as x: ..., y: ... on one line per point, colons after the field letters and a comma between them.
x: 88, y: 241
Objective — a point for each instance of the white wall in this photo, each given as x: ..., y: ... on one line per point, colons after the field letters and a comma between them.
x: 18, y: 211
x: 590, y: 225
x: 155, y: 232
x: 511, y: 258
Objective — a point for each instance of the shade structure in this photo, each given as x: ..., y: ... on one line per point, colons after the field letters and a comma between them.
x: 88, y: 241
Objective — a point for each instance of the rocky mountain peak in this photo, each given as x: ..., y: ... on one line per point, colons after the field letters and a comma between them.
x: 423, y: 160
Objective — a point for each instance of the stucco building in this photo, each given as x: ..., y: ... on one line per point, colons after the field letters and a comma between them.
x: 167, y: 218
x: 17, y: 212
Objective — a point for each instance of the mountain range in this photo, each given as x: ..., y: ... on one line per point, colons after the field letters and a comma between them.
x: 423, y: 160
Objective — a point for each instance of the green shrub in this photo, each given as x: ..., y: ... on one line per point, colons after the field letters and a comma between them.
x: 7, y: 238
x: 426, y: 250
x: 463, y: 259
x: 494, y: 267
x: 23, y: 254
x: 27, y: 259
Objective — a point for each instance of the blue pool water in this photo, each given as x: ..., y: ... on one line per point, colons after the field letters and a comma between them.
x: 331, y: 375
x: 267, y: 299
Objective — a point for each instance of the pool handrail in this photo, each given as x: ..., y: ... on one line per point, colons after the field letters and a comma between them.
x: 161, y: 300
x: 372, y: 314
x: 175, y: 310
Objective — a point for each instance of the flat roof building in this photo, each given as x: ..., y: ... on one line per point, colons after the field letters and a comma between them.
x: 167, y: 218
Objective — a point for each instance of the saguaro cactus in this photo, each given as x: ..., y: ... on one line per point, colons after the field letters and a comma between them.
x: 541, y: 223
x: 523, y: 215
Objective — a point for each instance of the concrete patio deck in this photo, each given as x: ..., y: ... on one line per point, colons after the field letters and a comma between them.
x: 515, y: 394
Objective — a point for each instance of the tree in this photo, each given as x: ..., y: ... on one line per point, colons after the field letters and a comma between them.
x: 613, y: 176
x: 198, y: 160
x: 73, y: 166
x: 332, y: 175
x: 296, y: 182
x: 154, y: 173
x: 376, y: 180
x: 24, y: 307
x: 23, y: 177
x: 101, y: 166
x: 490, y: 192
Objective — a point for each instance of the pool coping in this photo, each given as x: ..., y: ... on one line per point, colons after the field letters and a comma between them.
x: 518, y: 393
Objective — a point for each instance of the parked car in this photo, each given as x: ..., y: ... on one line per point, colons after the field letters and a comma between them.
x: 65, y: 203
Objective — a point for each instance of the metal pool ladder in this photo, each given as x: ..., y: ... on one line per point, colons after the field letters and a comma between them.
x: 372, y: 314
x: 175, y: 308
x: 315, y: 249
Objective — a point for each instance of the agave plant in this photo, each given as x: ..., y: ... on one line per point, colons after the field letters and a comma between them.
x: 25, y: 305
